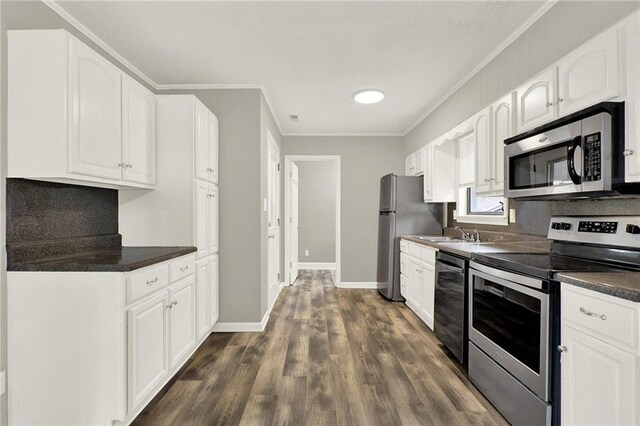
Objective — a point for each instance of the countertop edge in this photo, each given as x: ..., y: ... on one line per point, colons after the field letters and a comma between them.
x: 600, y: 287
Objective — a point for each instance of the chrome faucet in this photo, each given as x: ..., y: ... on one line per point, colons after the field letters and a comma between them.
x: 476, y: 235
x: 465, y: 235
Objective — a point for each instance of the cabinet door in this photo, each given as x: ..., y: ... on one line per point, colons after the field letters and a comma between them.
x: 415, y: 285
x: 535, y: 101
x: 138, y: 132
x: 183, y: 319
x: 631, y: 54
x: 404, y: 286
x: 427, y: 155
x: 428, y: 296
x: 484, y: 162
x: 202, y: 141
x: 95, y: 111
x: 213, y: 218
x: 202, y: 298
x: 214, y: 289
x: 213, y: 148
x: 147, y: 324
x: 201, y: 231
x: 419, y: 161
x: 502, y: 114
x: 410, y: 165
x: 590, y: 74
x: 599, y: 382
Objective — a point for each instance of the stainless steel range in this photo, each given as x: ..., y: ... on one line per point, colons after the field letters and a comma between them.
x: 514, y: 310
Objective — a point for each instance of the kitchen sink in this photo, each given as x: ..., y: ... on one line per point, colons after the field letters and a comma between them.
x: 442, y: 239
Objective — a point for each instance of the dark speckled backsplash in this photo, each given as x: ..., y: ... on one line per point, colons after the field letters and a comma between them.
x: 532, y: 217
x: 51, y: 219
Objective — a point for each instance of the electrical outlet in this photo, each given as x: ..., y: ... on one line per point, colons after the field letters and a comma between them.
x: 264, y: 205
x: 3, y: 382
x: 512, y: 215
x: 455, y: 214
x: 306, y: 253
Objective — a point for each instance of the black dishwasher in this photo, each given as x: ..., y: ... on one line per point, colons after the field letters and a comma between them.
x: 451, y: 304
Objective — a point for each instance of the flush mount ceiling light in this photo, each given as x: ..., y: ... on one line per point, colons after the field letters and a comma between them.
x: 369, y: 96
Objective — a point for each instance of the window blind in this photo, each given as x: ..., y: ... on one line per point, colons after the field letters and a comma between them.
x: 466, y: 160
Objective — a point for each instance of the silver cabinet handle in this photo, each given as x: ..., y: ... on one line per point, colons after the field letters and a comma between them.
x: 129, y: 165
x: 272, y: 236
x: 627, y: 152
x: 560, y: 100
x: 543, y: 138
x: 122, y: 165
x: 153, y: 281
x: 549, y: 104
x: 603, y: 317
x: 172, y: 304
x: 211, y: 195
x: 210, y: 170
x: 562, y: 348
x: 184, y: 268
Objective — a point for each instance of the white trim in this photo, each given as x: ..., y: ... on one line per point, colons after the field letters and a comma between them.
x: 316, y: 265
x: 53, y: 5
x: 548, y: 4
x: 346, y: 134
x: 359, y: 285
x: 288, y: 159
x: 243, y: 327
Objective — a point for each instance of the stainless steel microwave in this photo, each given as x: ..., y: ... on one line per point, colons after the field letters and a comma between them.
x: 580, y: 155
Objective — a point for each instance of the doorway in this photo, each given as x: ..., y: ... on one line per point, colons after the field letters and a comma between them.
x: 311, y: 208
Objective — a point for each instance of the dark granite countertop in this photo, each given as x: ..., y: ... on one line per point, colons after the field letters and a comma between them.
x: 467, y: 249
x: 624, y: 284
x: 113, y: 259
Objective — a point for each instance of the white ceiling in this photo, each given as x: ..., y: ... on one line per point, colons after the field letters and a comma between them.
x: 311, y: 57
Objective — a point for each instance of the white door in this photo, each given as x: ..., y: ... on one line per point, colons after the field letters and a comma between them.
x: 535, y: 101
x: 202, y: 297
x: 427, y: 188
x: 273, y: 215
x: 484, y: 162
x: 590, y: 74
x: 183, y: 317
x: 502, y: 113
x: 213, y: 221
x: 429, y: 293
x: 202, y: 141
x: 213, y: 148
x: 138, y: 132
x: 96, y: 139
x: 599, y: 382
x: 293, y: 225
x: 147, y: 324
x: 214, y: 290
x: 202, y: 218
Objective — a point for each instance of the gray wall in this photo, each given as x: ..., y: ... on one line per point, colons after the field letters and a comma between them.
x: 317, y: 211
x: 363, y: 161
x: 563, y: 28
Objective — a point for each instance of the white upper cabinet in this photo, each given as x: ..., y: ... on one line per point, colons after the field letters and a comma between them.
x: 502, y: 128
x: 590, y: 74
x: 213, y: 148
x: 75, y: 117
x: 202, y: 224
x: 535, y: 100
x: 631, y: 53
x: 482, y: 134
x: 420, y: 162
x: 414, y: 164
x: 138, y: 132
x: 440, y: 175
x: 206, y: 167
x: 427, y: 160
x: 95, y: 139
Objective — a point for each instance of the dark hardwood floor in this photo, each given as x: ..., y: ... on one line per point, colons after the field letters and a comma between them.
x: 327, y: 357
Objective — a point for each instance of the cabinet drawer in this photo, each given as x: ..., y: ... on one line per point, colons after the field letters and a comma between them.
x: 605, y: 317
x: 404, y: 246
x: 146, y: 282
x: 428, y: 255
x: 182, y: 267
x: 404, y: 264
x: 414, y: 250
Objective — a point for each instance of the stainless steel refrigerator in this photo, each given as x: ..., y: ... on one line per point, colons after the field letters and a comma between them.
x: 402, y: 212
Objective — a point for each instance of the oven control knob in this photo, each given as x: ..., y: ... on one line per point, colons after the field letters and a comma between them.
x: 555, y: 225
x: 565, y: 226
x: 633, y: 229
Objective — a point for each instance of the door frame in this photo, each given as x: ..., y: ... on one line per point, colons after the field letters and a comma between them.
x: 288, y: 160
x: 273, y: 148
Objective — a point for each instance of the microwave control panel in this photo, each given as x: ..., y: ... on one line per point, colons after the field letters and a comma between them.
x: 592, y: 157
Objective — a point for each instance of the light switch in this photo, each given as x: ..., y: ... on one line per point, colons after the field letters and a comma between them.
x: 306, y: 252
x: 265, y: 205
x: 512, y: 215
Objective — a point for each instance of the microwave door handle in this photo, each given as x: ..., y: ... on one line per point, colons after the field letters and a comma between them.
x: 571, y: 165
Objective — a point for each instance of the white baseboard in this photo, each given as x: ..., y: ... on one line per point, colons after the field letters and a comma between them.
x: 316, y: 265
x: 358, y: 284
x: 245, y: 327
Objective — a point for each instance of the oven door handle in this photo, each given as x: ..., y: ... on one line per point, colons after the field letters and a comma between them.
x: 571, y: 163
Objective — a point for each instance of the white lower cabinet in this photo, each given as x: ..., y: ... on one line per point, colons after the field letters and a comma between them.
x: 417, y: 279
x: 600, y: 359
x: 214, y: 289
x: 182, y: 315
x: 147, y: 343
x: 202, y: 297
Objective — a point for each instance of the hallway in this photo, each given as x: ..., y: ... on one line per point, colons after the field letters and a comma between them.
x: 328, y: 356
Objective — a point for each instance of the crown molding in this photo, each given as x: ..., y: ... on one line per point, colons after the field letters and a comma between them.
x: 548, y: 4
x: 344, y: 134
x: 53, y: 5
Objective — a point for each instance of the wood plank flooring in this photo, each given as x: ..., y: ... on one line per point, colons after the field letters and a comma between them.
x: 327, y: 357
